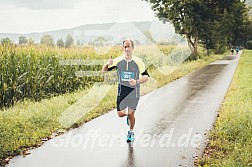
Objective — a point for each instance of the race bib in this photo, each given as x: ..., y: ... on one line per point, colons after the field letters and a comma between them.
x: 127, y: 75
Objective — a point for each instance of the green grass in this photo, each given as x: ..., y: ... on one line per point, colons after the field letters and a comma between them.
x: 27, y: 123
x: 35, y: 72
x: 231, y: 140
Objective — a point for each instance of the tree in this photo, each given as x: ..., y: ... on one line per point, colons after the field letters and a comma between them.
x: 78, y: 43
x: 22, y: 40
x: 6, y: 41
x: 69, y: 41
x: 227, y: 24
x: 184, y: 15
x: 249, y: 44
x: 31, y: 41
x: 242, y: 24
x: 47, y: 40
x: 212, y: 22
x: 60, y: 43
x: 234, y: 25
x: 100, y: 41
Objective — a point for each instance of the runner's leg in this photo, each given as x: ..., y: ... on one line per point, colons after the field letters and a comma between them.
x: 132, y: 105
x: 122, y: 113
x: 131, y: 118
x: 121, y: 106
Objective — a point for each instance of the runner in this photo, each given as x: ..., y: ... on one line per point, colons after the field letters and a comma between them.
x: 131, y: 73
x: 232, y: 50
x: 237, y: 49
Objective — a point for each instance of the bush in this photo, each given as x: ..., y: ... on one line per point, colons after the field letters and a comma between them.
x: 249, y: 44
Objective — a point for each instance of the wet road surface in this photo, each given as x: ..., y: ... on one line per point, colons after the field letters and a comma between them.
x: 171, y: 123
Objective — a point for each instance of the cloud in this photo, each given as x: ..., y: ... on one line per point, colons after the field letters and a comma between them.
x: 42, y: 4
x: 49, y: 15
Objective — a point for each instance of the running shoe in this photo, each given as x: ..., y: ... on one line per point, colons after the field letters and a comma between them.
x: 130, y: 136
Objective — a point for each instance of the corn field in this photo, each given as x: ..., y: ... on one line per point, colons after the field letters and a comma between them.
x: 35, y: 72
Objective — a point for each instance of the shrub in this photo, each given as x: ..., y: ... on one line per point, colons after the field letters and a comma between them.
x: 249, y: 44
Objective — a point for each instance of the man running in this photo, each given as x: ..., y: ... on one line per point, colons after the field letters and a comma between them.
x: 131, y: 73
x: 232, y: 50
x: 237, y: 49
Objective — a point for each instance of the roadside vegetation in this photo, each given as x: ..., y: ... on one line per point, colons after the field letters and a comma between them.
x: 230, y: 142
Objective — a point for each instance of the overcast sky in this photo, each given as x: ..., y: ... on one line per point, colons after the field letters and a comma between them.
x: 26, y: 16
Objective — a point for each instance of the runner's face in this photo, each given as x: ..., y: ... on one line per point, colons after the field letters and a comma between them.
x: 127, y: 48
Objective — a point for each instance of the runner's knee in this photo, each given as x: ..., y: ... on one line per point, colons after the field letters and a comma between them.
x: 121, y: 113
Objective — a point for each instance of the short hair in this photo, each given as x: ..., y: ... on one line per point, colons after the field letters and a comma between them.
x: 132, y: 43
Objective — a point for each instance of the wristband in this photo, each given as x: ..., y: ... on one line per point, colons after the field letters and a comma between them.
x: 137, y: 82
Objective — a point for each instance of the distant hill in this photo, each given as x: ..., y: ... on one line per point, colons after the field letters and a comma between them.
x: 88, y: 33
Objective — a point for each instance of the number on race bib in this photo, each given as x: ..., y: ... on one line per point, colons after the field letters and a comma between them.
x: 127, y: 75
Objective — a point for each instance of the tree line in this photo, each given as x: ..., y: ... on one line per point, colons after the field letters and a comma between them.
x: 216, y: 24
x: 44, y: 40
x: 48, y: 40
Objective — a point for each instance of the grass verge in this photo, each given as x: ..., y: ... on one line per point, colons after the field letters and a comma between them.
x: 230, y: 142
x: 28, y: 124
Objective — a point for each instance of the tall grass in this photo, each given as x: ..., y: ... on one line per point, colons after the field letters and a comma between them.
x: 230, y: 142
x: 36, y: 73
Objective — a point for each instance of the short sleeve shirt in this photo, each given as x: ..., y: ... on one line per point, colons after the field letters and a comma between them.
x: 127, y: 70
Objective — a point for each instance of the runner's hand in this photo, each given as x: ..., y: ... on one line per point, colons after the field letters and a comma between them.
x: 110, y: 61
x: 132, y: 82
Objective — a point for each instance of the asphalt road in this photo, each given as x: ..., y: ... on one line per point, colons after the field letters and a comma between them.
x: 171, y: 123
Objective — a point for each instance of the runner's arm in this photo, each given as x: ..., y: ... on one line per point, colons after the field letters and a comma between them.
x: 105, y: 67
x: 142, y: 79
